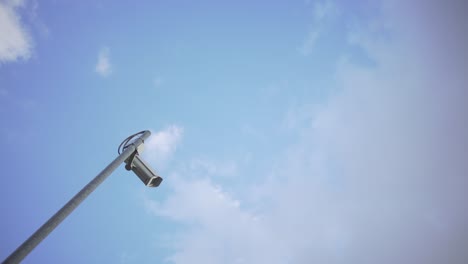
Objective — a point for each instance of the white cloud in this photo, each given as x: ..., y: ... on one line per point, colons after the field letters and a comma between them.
x: 214, y: 168
x: 15, y: 41
x: 39, y: 25
x: 323, y: 12
x: 103, y: 65
x: 161, y: 145
x: 224, y: 232
x: 380, y: 177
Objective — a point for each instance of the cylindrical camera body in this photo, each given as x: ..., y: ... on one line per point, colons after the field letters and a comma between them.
x: 146, y: 174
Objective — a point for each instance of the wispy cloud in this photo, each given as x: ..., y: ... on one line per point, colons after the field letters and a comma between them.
x: 214, y: 168
x: 323, y: 11
x: 378, y: 178
x: 15, y: 41
x: 103, y: 65
x: 38, y: 24
x: 225, y: 233
x: 162, y: 144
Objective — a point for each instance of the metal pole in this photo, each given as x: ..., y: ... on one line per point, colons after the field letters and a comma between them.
x: 22, y: 251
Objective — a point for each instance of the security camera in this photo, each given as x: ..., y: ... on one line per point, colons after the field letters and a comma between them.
x: 143, y: 171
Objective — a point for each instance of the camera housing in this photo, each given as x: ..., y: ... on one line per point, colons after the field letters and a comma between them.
x: 146, y: 174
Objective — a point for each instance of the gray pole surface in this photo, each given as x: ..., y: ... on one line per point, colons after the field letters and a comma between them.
x: 22, y: 251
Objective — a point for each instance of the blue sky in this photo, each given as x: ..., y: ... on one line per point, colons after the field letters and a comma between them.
x: 285, y: 131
